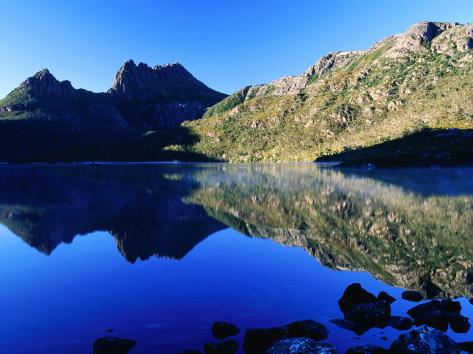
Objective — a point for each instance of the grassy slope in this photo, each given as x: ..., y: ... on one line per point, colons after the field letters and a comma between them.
x: 375, y: 99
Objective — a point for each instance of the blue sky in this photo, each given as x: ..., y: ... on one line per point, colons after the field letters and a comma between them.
x: 226, y: 44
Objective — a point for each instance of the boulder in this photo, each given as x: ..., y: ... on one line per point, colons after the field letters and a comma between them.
x: 354, y: 294
x: 301, y: 346
x: 400, y: 323
x: 466, y: 346
x: 112, y: 345
x: 367, y: 349
x: 222, y: 330
x: 440, y: 314
x: 308, y: 329
x: 424, y: 340
x: 413, y: 296
x: 227, y: 347
x: 384, y: 296
x: 257, y: 340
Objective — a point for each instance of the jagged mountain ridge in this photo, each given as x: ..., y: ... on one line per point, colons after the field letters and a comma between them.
x: 420, y: 79
x: 46, y: 119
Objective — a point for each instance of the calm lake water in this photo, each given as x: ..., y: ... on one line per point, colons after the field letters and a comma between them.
x: 158, y: 252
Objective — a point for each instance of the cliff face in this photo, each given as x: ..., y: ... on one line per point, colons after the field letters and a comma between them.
x: 165, y: 95
x: 420, y: 79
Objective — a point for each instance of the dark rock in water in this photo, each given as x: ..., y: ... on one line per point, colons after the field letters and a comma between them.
x: 227, y: 347
x: 189, y: 352
x: 414, y: 296
x: 308, y: 329
x: 466, y: 346
x: 367, y: 349
x: 471, y: 301
x: 221, y: 330
x: 400, y: 323
x: 257, y: 340
x: 439, y: 314
x: 458, y: 323
x: 425, y: 340
x: 372, y: 313
x: 301, y: 346
x: 354, y: 294
x: 359, y: 305
x: 112, y: 345
x: 356, y: 328
x: 386, y: 297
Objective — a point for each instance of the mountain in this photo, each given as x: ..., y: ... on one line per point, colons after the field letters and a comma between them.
x: 45, y: 119
x: 418, y: 82
x: 165, y: 95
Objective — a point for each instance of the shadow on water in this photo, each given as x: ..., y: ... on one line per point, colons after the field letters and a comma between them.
x: 399, y: 227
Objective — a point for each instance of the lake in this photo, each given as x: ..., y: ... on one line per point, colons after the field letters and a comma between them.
x: 158, y: 252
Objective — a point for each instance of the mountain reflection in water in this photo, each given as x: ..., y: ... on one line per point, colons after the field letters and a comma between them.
x: 409, y: 228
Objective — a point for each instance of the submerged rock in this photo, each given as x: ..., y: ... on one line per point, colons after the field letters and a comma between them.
x: 222, y: 330
x: 440, y: 314
x: 359, y: 305
x: 112, y: 345
x: 466, y: 346
x: 400, y: 323
x: 356, y: 328
x: 257, y: 340
x: 384, y: 296
x: 424, y: 340
x: 308, y: 329
x: 413, y: 296
x: 367, y: 349
x: 227, y: 347
x: 301, y: 346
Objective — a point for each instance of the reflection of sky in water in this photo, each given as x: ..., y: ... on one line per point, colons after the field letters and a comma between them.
x: 63, y: 302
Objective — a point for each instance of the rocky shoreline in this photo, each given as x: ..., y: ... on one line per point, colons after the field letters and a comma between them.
x: 361, y: 310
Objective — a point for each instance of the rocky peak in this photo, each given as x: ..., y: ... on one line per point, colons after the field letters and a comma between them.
x: 163, y: 83
x: 44, y: 84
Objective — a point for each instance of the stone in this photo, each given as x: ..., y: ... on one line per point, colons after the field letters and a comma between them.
x: 384, y: 296
x: 227, y: 347
x: 113, y: 345
x: 301, y: 346
x: 354, y: 294
x: 308, y: 329
x: 222, y: 330
x: 257, y: 340
x: 466, y: 346
x: 458, y: 323
x: 424, y: 340
x: 356, y: 328
x: 371, y: 314
x: 189, y: 352
x: 400, y: 323
x: 440, y: 314
x: 367, y: 349
x: 445, y: 306
x: 413, y: 296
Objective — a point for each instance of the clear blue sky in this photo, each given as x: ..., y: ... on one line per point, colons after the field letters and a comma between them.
x: 227, y: 44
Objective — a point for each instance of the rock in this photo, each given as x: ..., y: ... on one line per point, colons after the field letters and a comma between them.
x: 356, y: 328
x: 112, y: 345
x: 308, y: 329
x: 424, y: 340
x: 458, y: 323
x: 414, y: 296
x: 371, y: 314
x: 227, y: 347
x: 257, y: 340
x: 354, y: 294
x: 466, y: 346
x: 400, y: 323
x: 384, y: 296
x: 301, y: 346
x: 439, y: 314
x: 189, y: 352
x: 367, y: 349
x: 222, y: 330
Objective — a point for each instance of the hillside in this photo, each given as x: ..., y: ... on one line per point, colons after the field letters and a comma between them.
x: 414, y: 82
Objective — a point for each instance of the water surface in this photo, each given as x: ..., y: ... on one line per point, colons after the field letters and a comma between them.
x: 159, y: 252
